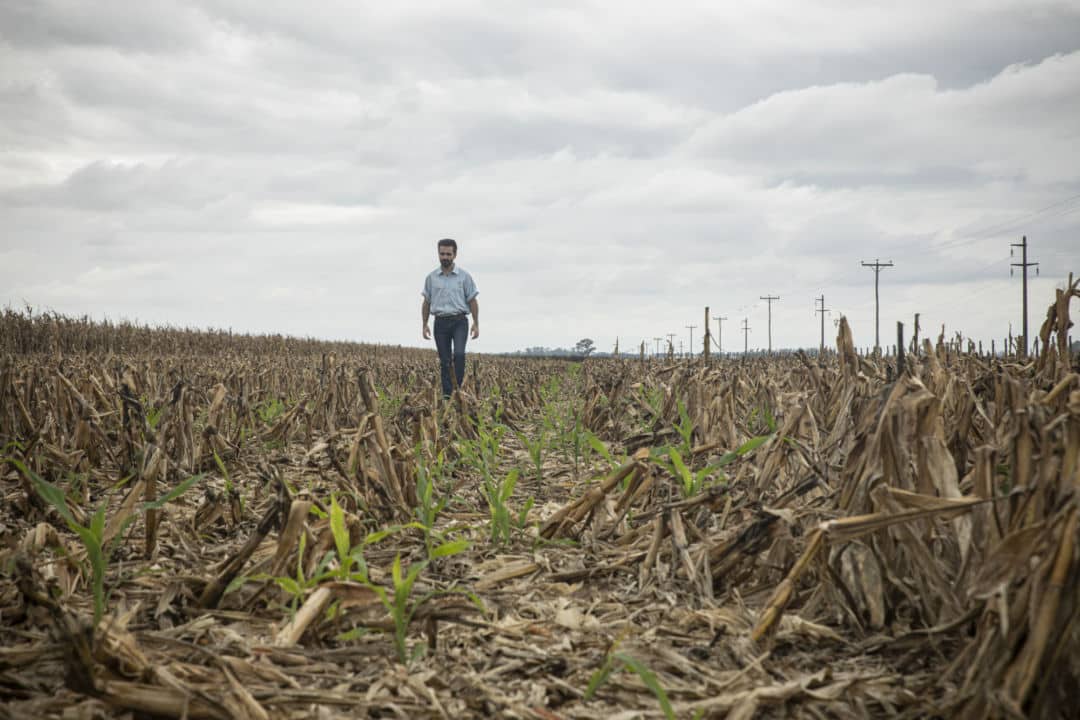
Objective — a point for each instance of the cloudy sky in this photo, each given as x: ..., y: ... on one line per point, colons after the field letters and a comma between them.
x: 608, y: 168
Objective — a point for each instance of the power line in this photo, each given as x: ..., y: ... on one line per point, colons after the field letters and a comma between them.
x: 989, y: 232
x: 1005, y: 226
x: 968, y: 294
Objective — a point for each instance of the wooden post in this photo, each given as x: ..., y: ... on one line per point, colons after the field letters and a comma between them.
x: 899, y: 349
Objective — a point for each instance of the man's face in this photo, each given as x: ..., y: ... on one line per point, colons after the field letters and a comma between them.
x: 446, y: 256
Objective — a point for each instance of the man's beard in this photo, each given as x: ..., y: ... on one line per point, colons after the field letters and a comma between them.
x: 446, y: 263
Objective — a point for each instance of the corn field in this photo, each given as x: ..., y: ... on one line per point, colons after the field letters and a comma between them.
x: 201, y: 525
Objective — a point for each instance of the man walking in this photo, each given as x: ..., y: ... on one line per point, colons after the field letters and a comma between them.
x: 450, y: 295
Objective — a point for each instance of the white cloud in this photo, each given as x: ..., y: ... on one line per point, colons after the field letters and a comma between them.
x: 609, y: 169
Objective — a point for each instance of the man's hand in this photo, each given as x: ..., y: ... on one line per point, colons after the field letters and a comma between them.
x: 475, y: 330
x: 427, y: 332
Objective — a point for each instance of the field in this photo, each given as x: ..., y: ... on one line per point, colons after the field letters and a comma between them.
x: 202, y: 525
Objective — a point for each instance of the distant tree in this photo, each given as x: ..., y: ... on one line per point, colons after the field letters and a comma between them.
x: 585, y: 346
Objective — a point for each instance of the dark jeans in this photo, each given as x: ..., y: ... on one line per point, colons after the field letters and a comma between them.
x: 451, y: 331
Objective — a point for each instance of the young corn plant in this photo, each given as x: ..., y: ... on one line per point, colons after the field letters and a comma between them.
x: 428, y: 506
x: 402, y: 606
x: 497, y: 492
x: 497, y: 488
x: 299, y: 586
x: 614, y: 662
x: 691, y: 482
x: 92, y: 535
x: 653, y: 400
x: 571, y: 437
x: 427, y: 510
x: 577, y: 439
x: 398, y: 601
x: 401, y: 609
x: 685, y: 428
x: 536, y: 448
x: 602, y: 450
x: 270, y: 410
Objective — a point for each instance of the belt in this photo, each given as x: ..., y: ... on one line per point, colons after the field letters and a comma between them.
x: 451, y: 317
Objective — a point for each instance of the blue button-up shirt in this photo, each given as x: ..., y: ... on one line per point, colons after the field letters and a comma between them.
x: 449, y: 294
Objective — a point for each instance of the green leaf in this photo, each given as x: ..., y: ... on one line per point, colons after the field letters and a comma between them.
x: 649, y: 678
x: 599, y: 677
x: 289, y: 585
x: 414, y: 572
x: 770, y: 420
x: 355, y: 634
x: 48, y: 492
x: 237, y: 582
x: 300, y: 558
x: 450, y: 548
x: 379, y: 535
x: 726, y: 459
x: 320, y: 569
x: 221, y: 466
x: 358, y: 559
x: 523, y: 514
x: 395, y: 570
x: 97, y: 523
x: 340, y: 533
x: 172, y: 494
x: 752, y: 444
x: 508, y: 485
x: 599, y: 447
x: 683, y: 472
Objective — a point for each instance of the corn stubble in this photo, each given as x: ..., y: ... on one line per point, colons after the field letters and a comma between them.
x: 856, y: 542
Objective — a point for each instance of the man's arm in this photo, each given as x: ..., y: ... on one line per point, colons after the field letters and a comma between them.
x: 425, y: 313
x: 474, y: 307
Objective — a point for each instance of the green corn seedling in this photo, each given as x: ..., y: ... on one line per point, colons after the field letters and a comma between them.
x: 497, y: 492
x: 536, y: 451
x: 93, y: 534
x: 614, y: 662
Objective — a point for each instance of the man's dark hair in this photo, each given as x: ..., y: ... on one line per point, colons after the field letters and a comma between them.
x: 449, y: 242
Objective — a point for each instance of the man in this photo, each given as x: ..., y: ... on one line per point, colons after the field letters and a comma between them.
x: 450, y: 295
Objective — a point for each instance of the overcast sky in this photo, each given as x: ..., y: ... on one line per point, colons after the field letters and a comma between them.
x: 608, y: 168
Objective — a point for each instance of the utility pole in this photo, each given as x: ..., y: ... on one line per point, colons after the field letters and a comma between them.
x: 746, y: 336
x: 770, y: 299
x: 657, y: 353
x: 720, y: 335
x: 1024, y: 264
x: 877, y: 265
x: 671, y: 345
x: 691, y: 329
x: 708, y: 336
x: 822, y: 310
